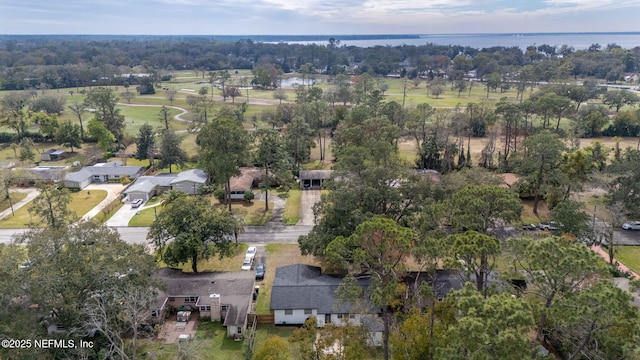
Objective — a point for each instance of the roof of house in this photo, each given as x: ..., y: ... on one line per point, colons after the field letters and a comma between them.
x: 235, y: 288
x: 193, y: 175
x: 244, y: 182
x: 315, y: 174
x: 102, y: 169
x: 146, y: 184
x: 302, y: 286
x: 42, y: 172
x: 509, y: 179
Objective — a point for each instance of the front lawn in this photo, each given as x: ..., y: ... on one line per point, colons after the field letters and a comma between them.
x: 81, y: 202
x: 15, y: 197
x: 144, y: 217
x: 279, y: 255
x: 291, y: 213
x: 231, y: 263
x: 251, y: 212
x: 628, y: 255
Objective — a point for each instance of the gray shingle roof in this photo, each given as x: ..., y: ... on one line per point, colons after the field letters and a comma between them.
x: 315, y: 174
x: 235, y: 288
x: 301, y: 286
x: 193, y: 175
x: 109, y: 170
x: 146, y: 184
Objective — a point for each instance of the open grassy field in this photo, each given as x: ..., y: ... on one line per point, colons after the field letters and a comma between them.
x: 279, y: 255
x: 81, y: 202
x: 136, y: 116
x: 291, y: 213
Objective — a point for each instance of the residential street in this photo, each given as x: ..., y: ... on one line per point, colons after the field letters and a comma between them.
x: 253, y: 234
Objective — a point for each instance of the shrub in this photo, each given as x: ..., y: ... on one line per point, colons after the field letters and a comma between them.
x: 249, y: 196
x: 219, y: 194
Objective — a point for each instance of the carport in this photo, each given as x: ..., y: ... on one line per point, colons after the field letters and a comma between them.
x: 314, y: 179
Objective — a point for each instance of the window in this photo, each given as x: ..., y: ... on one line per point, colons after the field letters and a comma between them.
x: 308, y: 311
x: 341, y: 316
x: 171, y: 299
x: 205, y: 308
x: 288, y: 312
x: 116, y: 176
x: 224, y: 307
x: 191, y: 299
x: 440, y: 297
x: 155, y: 313
x: 352, y: 316
x: 239, y: 330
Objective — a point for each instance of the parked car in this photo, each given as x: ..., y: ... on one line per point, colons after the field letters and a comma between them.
x: 260, y: 268
x: 27, y: 264
x: 246, y: 265
x: 251, y: 253
x: 634, y: 225
x: 551, y: 226
x: 529, y: 227
x: 136, y: 203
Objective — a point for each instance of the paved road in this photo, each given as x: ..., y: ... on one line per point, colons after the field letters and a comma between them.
x: 252, y: 234
x: 31, y: 194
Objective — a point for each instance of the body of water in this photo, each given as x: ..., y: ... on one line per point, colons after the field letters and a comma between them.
x: 579, y: 41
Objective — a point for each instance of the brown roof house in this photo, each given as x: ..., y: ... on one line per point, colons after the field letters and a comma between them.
x: 314, y: 179
x: 239, y: 185
x: 220, y: 296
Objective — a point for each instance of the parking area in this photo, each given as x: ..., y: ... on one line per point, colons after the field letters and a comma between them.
x: 625, y: 237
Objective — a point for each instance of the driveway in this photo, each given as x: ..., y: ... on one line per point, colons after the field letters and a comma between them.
x: 32, y: 193
x: 113, y: 192
x: 307, y: 200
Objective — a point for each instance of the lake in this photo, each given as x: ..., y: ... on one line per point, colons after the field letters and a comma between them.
x: 579, y: 41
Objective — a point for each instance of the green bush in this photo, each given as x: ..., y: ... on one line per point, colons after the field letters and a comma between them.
x: 249, y: 196
x: 219, y: 194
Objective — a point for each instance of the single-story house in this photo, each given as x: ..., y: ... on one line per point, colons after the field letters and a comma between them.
x: 101, y: 173
x: 314, y: 179
x: 301, y: 291
x: 52, y: 155
x: 190, y: 181
x: 239, y: 185
x: 146, y: 187
x: 631, y: 77
x: 27, y: 177
x: 224, y: 297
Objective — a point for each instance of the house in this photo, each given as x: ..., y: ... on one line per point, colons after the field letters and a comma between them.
x: 28, y: 177
x: 239, y: 185
x: 224, y: 297
x: 101, y: 173
x: 314, y: 179
x: 146, y: 187
x: 301, y: 291
x: 190, y: 181
x: 52, y: 155
x: 632, y: 78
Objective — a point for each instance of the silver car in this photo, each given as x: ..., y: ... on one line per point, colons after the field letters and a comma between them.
x: 634, y: 225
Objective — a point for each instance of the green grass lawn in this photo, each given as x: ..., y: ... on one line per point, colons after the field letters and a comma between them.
x: 136, y: 116
x: 14, y: 197
x: 81, y: 202
x: 210, y: 342
x: 291, y: 213
x: 251, y: 212
x: 144, y: 217
x: 628, y: 255
x: 231, y: 263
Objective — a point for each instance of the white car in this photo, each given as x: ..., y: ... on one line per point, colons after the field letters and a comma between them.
x: 635, y: 225
x: 251, y: 253
x: 246, y: 264
x: 136, y: 203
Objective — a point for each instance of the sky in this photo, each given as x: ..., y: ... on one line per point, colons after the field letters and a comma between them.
x: 308, y: 17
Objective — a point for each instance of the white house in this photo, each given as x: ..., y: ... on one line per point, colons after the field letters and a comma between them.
x: 101, y: 173
x: 190, y: 181
x: 146, y: 187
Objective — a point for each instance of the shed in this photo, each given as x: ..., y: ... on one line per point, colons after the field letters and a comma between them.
x: 314, y: 179
x: 52, y: 155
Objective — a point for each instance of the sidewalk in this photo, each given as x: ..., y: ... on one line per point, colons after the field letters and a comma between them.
x: 621, y: 266
x: 31, y: 194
